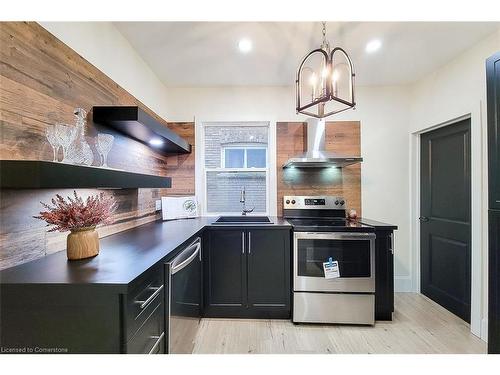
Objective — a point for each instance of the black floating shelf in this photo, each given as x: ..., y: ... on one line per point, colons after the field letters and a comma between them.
x: 139, y: 125
x: 27, y: 174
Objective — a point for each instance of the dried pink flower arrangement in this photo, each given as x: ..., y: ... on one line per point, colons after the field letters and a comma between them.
x: 75, y: 213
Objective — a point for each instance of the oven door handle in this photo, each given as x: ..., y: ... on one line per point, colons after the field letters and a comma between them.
x: 334, y: 236
x: 357, y: 236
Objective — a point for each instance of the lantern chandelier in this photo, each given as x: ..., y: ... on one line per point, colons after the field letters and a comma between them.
x: 325, y: 81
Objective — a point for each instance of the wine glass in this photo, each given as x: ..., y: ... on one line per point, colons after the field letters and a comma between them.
x: 104, y: 144
x: 50, y: 134
x: 65, y: 135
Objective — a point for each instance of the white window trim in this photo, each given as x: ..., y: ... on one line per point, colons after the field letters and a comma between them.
x: 200, y: 170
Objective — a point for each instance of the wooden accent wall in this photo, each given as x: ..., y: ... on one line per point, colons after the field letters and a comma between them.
x: 41, y: 81
x: 342, y: 137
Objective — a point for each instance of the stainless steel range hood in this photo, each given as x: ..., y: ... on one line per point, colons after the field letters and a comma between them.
x: 316, y: 156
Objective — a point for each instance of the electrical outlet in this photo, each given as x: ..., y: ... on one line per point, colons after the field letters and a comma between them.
x: 158, y: 205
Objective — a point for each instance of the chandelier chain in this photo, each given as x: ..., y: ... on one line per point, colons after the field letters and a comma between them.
x: 325, y: 45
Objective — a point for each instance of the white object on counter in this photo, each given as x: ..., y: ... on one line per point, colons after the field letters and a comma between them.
x: 179, y: 207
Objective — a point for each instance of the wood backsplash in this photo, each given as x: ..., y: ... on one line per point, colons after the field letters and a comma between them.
x: 41, y: 81
x: 342, y: 137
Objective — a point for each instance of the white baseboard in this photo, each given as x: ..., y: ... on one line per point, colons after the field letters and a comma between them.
x: 403, y: 284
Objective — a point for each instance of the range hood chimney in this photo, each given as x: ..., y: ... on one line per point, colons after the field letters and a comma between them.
x: 316, y: 156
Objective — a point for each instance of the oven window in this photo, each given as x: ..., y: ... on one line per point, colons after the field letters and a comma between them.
x: 353, y: 257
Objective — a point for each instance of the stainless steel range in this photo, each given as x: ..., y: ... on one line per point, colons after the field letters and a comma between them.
x: 333, y: 262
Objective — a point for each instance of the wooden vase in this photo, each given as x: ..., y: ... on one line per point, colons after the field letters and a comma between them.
x: 82, y: 243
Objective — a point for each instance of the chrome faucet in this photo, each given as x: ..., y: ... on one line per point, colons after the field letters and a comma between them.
x: 243, y: 201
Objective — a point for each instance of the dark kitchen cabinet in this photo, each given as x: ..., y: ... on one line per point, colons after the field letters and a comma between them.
x: 247, y: 273
x: 224, y: 272
x: 268, y: 267
x: 144, y: 309
x: 74, y: 318
x: 48, y: 318
x: 493, y: 109
x: 384, y: 274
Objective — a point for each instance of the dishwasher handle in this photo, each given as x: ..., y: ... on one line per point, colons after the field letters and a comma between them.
x: 188, y: 254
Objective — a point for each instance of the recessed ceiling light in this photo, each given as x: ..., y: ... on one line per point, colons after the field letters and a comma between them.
x: 245, y: 45
x: 373, y: 45
x: 156, y: 142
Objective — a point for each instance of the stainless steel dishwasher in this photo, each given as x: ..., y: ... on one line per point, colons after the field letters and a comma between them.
x: 183, y: 298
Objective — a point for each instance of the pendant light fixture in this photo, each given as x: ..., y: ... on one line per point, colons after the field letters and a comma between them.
x: 325, y: 81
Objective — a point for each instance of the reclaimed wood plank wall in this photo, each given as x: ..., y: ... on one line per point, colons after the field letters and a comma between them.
x: 342, y: 137
x: 41, y: 81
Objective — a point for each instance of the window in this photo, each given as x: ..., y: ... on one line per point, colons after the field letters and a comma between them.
x: 236, y: 158
x: 244, y: 156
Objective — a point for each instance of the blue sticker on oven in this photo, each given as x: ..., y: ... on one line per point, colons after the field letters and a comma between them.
x: 331, y: 269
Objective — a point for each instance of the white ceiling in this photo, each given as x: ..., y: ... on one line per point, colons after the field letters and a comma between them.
x: 201, y: 54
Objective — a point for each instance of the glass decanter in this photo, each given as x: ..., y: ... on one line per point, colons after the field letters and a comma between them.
x: 65, y: 136
x: 79, y: 151
x: 104, y: 144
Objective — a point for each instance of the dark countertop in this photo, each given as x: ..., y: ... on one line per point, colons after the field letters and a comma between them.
x: 377, y: 224
x: 123, y: 256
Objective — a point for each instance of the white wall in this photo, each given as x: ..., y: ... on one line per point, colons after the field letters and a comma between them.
x: 455, y: 90
x: 383, y: 112
x: 104, y: 46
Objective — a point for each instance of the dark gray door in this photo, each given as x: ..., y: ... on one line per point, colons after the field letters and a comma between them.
x: 445, y: 228
x: 493, y: 96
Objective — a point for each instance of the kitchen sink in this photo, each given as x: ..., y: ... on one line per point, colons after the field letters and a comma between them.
x: 243, y: 220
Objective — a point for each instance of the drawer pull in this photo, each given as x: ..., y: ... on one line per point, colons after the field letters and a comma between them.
x: 158, y: 341
x: 150, y: 298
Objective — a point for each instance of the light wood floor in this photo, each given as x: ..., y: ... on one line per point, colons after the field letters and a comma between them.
x: 419, y: 326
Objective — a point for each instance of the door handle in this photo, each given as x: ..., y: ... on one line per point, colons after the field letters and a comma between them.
x: 423, y: 219
x: 243, y: 242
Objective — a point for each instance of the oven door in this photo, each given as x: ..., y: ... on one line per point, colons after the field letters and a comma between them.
x: 354, y: 252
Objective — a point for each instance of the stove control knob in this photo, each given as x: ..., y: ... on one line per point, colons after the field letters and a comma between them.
x: 342, y: 203
x: 336, y: 203
x: 293, y: 201
x: 288, y: 201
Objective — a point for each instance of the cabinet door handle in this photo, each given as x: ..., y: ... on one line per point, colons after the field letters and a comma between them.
x: 158, y: 342
x: 243, y: 242
x: 249, y: 242
x: 423, y: 219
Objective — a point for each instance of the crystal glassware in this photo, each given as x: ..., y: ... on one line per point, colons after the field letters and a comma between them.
x: 53, y: 140
x: 65, y: 135
x: 104, y: 144
x: 79, y: 151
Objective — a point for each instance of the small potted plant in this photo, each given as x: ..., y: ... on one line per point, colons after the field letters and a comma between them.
x: 80, y: 217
